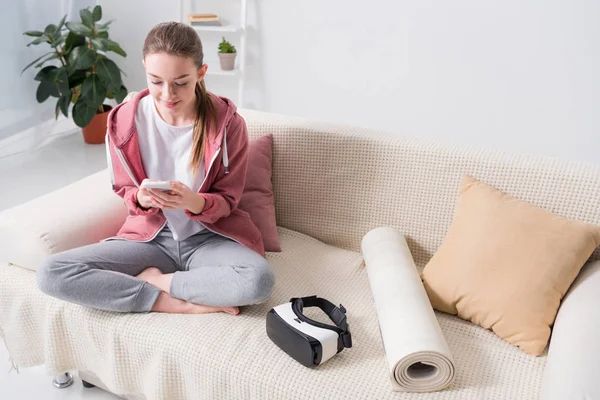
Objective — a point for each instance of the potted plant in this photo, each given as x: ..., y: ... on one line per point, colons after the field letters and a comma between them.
x: 80, y: 73
x: 227, y: 53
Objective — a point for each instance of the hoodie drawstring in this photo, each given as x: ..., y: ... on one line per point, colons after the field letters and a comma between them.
x: 109, y: 161
x: 225, y: 155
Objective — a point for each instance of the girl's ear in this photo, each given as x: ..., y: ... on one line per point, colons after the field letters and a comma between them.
x: 202, y: 72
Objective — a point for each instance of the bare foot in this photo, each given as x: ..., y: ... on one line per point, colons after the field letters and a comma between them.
x: 154, y: 276
x: 148, y: 274
x: 200, y: 309
x: 168, y: 304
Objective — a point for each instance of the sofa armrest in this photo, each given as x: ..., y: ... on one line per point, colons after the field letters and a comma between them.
x: 573, y: 364
x: 81, y: 213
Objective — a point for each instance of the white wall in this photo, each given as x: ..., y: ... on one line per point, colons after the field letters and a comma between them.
x: 520, y: 75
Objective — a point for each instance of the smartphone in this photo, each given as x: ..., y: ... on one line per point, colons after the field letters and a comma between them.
x: 160, y: 185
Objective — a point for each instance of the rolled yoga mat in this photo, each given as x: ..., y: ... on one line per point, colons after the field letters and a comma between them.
x: 418, y: 357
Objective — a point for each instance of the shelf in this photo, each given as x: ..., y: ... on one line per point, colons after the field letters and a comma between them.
x: 216, y: 70
x: 223, y: 28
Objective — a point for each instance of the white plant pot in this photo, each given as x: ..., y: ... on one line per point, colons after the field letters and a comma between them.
x: 227, y: 61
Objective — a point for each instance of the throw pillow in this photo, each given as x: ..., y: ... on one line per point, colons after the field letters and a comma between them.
x: 258, y: 199
x: 506, y: 264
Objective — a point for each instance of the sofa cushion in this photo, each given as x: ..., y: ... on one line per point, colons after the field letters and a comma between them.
x: 61, y: 220
x: 168, y: 356
x: 506, y: 264
x: 258, y: 199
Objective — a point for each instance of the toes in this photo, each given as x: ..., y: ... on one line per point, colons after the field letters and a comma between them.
x: 148, y: 272
x: 232, y: 311
x: 154, y: 271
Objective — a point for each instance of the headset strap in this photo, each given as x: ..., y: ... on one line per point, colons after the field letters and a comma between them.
x: 336, y: 314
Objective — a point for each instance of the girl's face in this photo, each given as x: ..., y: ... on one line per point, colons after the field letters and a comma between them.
x: 172, y: 81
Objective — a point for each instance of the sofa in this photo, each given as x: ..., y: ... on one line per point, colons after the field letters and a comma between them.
x: 332, y: 184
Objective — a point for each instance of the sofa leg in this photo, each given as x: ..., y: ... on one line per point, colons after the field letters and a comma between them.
x: 87, y: 384
x: 62, y: 381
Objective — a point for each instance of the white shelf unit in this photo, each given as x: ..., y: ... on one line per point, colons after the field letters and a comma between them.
x: 224, y: 28
x: 216, y: 70
x: 239, y: 72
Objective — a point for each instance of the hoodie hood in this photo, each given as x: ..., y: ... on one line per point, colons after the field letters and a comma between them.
x: 121, y: 120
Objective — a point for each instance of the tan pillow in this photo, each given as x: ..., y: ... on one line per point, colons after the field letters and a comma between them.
x: 506, y: 264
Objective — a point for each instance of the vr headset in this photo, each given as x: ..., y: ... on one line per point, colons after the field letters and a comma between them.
x: 309, y: 342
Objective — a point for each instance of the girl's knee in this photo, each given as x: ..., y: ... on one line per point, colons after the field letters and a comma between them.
x: 263, y: 283
x: 47, y: 275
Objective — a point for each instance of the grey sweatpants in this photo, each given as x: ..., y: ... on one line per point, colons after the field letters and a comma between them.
x: 207, y: 268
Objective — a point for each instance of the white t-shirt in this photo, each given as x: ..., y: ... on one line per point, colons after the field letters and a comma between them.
x: 165, y: 151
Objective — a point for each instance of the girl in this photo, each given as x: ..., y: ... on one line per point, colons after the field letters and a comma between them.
x: 187, y: 250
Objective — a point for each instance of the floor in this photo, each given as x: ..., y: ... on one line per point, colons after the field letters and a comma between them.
x: 22, y: 178
x: 26, y: 176
x: 33, y: 383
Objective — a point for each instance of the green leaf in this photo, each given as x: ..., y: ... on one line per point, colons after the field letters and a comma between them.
x: 58, y: 42
x: 76, y: 78
x: 109, y: 73
x: 36, y: 60
x: 73, y: 40
x: 52, y: 57
x: 121, y: 94
x: 226, y: 47
x: 60, y: 79
x: 63, y: 103
x: 97, y: 14
x: 54, y: 92
x: 107, y: 42
x: 102, y: 27
x: 83, y: 113
x: 86, y: 18
x: 45, y: 73
x: 43, y: 91
x: 113, y: 46
x: 82, y: 57
x: 102, y: 34
x: 41, y: 39
x: 50, y: 29
x: 79, y: 29
x: 93, y: 91
x: 99, y: 44
x: 61, y: 23
x: 33, y: 33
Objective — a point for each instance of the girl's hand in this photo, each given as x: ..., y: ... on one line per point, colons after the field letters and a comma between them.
x: 145, y: 200
x: 181, y: 197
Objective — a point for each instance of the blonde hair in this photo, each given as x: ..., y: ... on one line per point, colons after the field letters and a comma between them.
x: 178, y: 39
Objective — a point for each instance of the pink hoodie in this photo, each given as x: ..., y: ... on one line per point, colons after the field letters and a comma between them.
x: 226, y: 161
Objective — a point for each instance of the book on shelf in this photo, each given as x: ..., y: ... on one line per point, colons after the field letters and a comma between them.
x: 203, y: 18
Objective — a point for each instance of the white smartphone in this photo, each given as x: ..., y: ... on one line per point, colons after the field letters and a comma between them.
x: 160, y: 185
